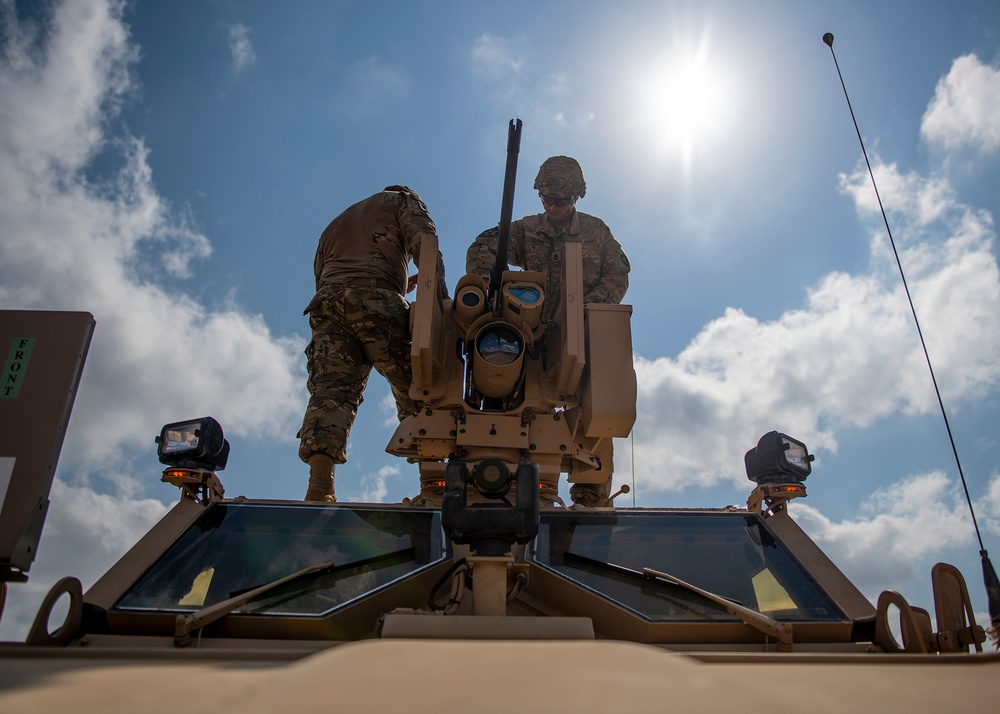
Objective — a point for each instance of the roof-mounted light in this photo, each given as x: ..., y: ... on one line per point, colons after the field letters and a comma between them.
x: 778, y: 466
x: 196, y: 444
x: 778, y: 458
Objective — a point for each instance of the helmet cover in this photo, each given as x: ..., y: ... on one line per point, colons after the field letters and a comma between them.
x: 561, y: 177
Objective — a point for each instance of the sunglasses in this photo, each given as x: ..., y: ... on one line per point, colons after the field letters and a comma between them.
x: 557, y: 202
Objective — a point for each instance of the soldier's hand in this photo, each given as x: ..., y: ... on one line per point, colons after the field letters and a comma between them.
x: 411, y: 283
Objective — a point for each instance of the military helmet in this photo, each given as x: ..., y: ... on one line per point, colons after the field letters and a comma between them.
x: 398, y: 188
x: 561, y: 177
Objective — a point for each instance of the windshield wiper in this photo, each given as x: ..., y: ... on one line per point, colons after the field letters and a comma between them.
x: 628, y: 574
x: 185, y: 624
x: 207, y: 615
x: 780, y: 631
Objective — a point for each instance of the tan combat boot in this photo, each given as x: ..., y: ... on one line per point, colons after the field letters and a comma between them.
x: 320, y: 479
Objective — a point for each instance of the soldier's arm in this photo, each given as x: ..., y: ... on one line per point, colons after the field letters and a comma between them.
x: 416, y: 224
x: 614, y: 273
x: 482, y: 254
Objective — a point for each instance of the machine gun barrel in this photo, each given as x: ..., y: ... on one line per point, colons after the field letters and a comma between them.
x: 506, y: 206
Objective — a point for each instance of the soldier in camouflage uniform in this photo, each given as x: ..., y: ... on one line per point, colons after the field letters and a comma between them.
x: 360, y: 319
x: 537, y: 244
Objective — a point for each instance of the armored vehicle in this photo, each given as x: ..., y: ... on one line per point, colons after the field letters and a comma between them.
x: 485, y: 593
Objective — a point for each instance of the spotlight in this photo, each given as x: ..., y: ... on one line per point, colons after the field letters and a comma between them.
x: 193, y: 444
x: 778, y: 458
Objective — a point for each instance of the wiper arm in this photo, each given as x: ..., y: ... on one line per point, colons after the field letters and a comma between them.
x: 781, y: 631
x: 685, y: 602
x: 185, y: 624
x: 382, y: 560
x: 207, y: 615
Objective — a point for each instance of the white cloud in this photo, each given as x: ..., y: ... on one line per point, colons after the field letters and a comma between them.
x: 241, y: 47
x: 387, y: 408
x: 372, y: 87
x: 898, y: 527
x: 851, y: 356
x: 494, y: 57
x: 549, y: 102
x: 58, y: 101
x: 990, y: 506
x: 965, y: 111
x: 373, y: 487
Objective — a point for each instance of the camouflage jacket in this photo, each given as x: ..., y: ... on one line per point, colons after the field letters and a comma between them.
x: 537, y: 244
x: 376, y: 239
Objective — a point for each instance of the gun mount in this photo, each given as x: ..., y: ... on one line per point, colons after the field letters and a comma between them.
x: 497, y: 384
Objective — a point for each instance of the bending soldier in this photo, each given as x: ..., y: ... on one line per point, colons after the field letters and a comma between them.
x: 359, y: 319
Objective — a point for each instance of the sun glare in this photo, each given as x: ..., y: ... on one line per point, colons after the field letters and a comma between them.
x: 684, y: 103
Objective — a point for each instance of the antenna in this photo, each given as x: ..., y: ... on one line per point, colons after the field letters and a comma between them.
x: 989, y: 574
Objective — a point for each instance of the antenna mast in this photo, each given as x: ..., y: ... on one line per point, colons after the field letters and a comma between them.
x: 989, y: 574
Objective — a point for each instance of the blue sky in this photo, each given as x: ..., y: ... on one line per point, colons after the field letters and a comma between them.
x: 169, y: 166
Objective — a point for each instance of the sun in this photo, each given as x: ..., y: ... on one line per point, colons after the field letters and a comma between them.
x: 684, y: 102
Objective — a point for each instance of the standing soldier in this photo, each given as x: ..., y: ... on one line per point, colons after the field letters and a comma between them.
x: 360, y: 319
x: 537, y: 244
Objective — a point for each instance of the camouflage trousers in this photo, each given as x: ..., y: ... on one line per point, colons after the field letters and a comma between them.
x: 353, y: 330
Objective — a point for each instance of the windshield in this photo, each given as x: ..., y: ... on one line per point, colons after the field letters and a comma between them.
x: 233, y: 548
x: 733, y: 555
